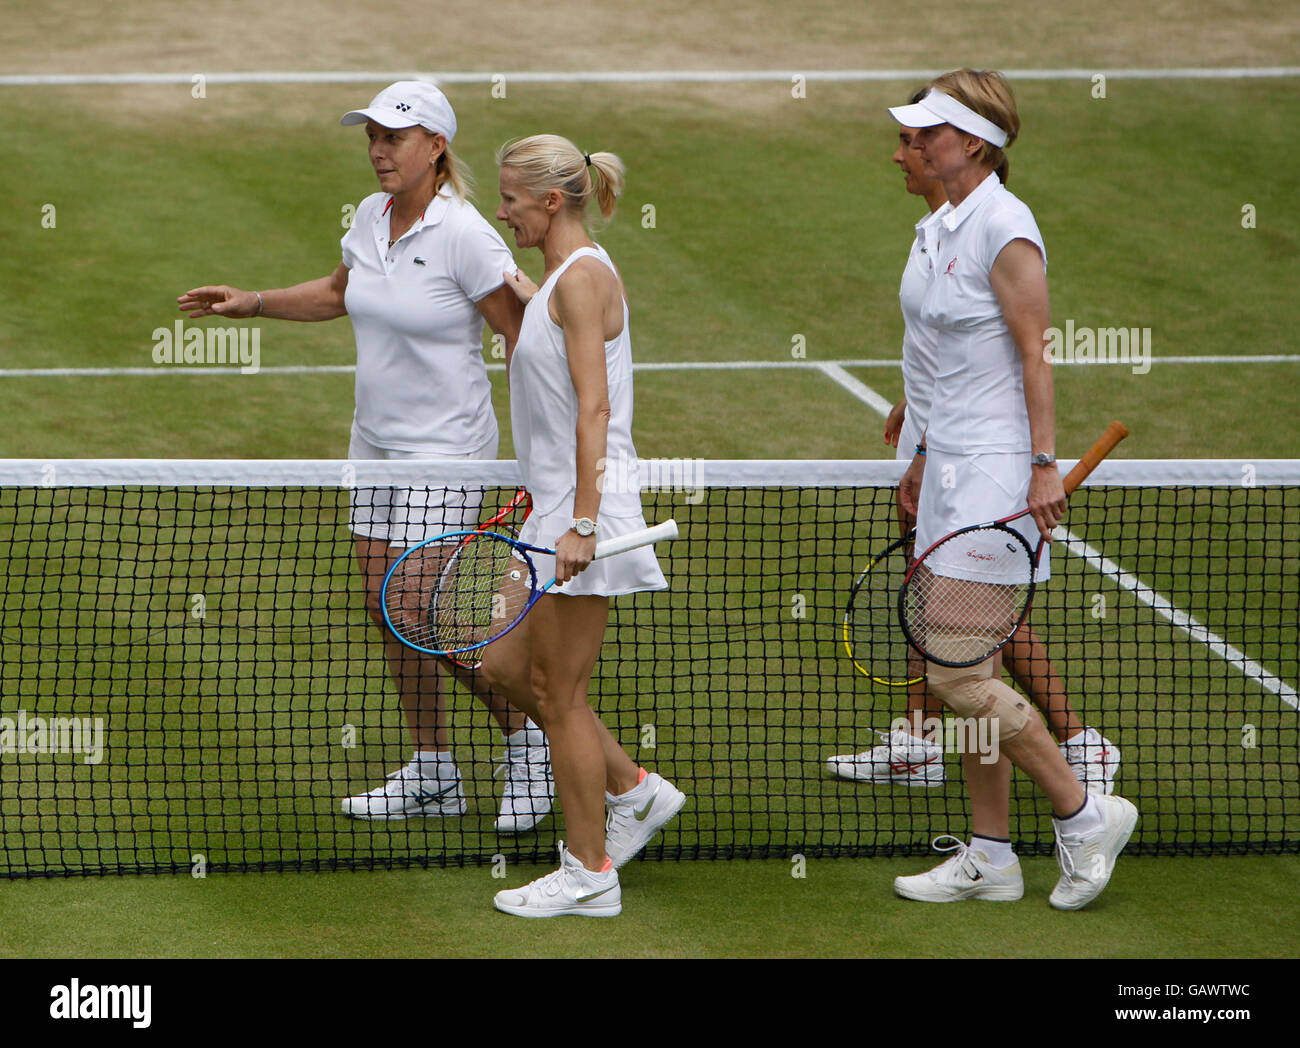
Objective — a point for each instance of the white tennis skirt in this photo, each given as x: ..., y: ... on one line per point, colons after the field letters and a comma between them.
x: 408, y: 516
x: 632, y: 572
x: 960, y: 490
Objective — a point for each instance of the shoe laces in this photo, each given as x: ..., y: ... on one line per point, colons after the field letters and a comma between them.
x: 1065, y: 850
x: 957, y: 848
x: 551, y: 883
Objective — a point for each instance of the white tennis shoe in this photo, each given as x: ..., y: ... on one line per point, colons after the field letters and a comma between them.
x: 529, y: 788
x: 405, y: 793
x: 634, y: 817
x: 1093, y: 759
x: 572, y: 889
x: 1087, y: 860
x: 902, y: 758
x: 966, y: 875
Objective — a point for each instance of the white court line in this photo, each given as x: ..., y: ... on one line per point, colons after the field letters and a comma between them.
x: 1185, y: 622
x: 831, y: 367
x: 663, y: 76
x: 1110, y: 570
x: 859, y: 389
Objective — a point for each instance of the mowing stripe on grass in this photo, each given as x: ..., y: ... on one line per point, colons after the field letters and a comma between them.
x: 663, y: 76
x: 1185, y: 622
x: 833, y: 368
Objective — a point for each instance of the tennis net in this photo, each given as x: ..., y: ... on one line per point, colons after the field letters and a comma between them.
x: 190, y: 679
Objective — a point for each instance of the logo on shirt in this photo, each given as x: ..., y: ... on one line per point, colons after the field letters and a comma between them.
x: 948, y: 271
x: 418, y: 261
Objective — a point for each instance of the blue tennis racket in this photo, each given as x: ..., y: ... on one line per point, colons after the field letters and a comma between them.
x: 456, y: 593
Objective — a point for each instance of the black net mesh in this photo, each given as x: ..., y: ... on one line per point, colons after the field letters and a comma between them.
x: 191, y: 676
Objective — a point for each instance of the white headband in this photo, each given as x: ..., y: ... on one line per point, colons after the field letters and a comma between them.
x: 938, y: 108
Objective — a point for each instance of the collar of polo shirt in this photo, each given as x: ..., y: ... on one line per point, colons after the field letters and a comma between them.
x: 951, y: 217
x: 939, y: 108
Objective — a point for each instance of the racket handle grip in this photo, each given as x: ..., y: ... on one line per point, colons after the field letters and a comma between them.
x: 1115, y: 432
x: 636, y: 539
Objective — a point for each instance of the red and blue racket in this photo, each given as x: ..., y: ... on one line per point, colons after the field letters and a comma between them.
x: 965, y: 596
x: 481, y: 590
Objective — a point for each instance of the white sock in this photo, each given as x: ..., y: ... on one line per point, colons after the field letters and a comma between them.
x: 434, y: 764
x: 1000, y: 854
x: 624, y: 797
x: 529, y: 735
x: 1087, y: 818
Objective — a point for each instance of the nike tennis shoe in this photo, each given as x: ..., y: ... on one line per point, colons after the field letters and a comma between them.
x: 1093, y: 759
x: 1087, y: 860
x: 406, y: 793
x: 572, y: 889
x: 632, y: 818
x: 902, y: 758
x: 529, y: 791
x: 966, y: 875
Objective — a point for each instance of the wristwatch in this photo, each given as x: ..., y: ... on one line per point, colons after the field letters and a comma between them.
x: 1043, y: 459
x: 584, y: 526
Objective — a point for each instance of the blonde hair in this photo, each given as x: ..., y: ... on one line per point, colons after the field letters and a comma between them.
x: 989, y: 95
x: 547, y: 162
x: 452, y: 169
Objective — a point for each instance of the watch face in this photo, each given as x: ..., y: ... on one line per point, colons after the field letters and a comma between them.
x: 584, y: 527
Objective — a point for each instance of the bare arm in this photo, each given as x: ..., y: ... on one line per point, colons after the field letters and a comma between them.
x: 578, y: 300
x: 894, y: 422
x: 504, y: 313
x: 314, y: 300
x: 1020, y: 283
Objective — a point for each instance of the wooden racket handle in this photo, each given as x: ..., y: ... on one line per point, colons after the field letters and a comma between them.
x: 1115, y: 432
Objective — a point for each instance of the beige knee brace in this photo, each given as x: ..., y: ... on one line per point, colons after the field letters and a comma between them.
x: 973, y: 692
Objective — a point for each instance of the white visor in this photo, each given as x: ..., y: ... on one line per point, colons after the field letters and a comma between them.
x: 938, y: 108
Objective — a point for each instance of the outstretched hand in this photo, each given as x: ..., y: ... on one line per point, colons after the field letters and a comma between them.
x: 218, y: 300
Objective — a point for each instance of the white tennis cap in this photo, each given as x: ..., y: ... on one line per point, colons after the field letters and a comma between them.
x: 938, y: 108
x: 408, y: 103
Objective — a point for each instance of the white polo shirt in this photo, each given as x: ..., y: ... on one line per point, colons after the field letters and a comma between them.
x: 421, y: 380
x: 979, y: 397
x: 919, y: 343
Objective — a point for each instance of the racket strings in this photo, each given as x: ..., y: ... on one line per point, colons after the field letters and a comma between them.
x: 959, y: 619
x: 410, y: 590
x: 482, y: 588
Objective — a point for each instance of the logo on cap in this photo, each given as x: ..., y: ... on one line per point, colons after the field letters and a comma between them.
x: 401, y: 107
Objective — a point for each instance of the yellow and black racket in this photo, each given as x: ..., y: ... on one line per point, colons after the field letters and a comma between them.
x: 871, y: 634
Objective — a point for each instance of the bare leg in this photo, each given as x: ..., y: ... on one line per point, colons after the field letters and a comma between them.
x: 1026, y: 659
x: 421, y: 680
x: 567, y: 634
x: 508, y: 666
x: 989, y: 786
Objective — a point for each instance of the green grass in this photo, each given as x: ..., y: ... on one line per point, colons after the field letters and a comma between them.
x: 793, y: 224
x: 840, y: 908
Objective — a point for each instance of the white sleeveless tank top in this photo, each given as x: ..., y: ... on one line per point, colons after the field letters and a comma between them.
x: 544, y: 408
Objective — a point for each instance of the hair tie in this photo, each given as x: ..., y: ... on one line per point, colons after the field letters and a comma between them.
x: 587, y: 159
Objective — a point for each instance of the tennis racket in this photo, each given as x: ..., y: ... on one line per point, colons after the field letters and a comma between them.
x: 482, y: 591
x: 870, y: 634
x: 506, y: 521
x: 965, y: 596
